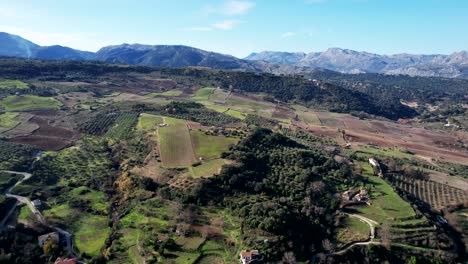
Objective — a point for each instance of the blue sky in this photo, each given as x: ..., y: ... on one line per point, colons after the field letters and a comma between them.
x: 239, y: 27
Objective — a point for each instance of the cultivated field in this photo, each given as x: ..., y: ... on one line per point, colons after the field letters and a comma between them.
x: 436, y: 194
x: 175, y: 144
x: 28, y: 102
x: 209, y: 147
x: 13, y: 84
x: 148, y: 121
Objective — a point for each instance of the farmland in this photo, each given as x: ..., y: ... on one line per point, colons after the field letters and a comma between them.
x: 28, y: 102
x: 175, y: 144
x: 148, y: 121
x: 123, y: 126
x: 8, y: 120
x: 156, y: 165
x: 437, y: 195
x: 203, y: 93
x: 13, y: 84
x: 209, y: 147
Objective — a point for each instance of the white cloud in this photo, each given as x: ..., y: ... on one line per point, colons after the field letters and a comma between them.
x: 288, y: 34
x: 229, y: 8
x: 237, y: 7
x: 226, y: 24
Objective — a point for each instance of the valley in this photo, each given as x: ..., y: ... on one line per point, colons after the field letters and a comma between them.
x: 190, y: 165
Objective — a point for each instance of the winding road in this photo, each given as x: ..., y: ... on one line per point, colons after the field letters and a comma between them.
x: 371, y: 223
x: 25, y: 200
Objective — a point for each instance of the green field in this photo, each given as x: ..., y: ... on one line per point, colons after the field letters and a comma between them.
x: 174, y: 92
x: 203, y: 93
x: 207, y: 168
x: 148, y: 121
x: 353, y: 230
x: 9, y: 120
x: 248, y: 104
x: 386, y: 204
x: 123, y: 126
x: 24, y: 214
x: 175, y: 144
x: 13, y: 84
x: 226, y: 110
x: 91, y: 234
x: 396, y: 153
x: 96, y: 200
x: 28, y: 102
x: 208, y: 147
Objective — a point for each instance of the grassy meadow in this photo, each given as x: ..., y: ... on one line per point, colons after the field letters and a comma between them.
x: 28, y: 102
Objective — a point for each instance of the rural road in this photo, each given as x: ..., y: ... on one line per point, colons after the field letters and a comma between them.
x: 37, y: 213
x: 371, y: 223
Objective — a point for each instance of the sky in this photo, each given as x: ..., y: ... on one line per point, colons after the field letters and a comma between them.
x: 239, y: 27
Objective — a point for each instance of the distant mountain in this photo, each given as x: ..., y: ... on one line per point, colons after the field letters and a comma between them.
x: 61, y: 53
x: 341, y: 60
x: 171, y: 56
x: 16, y: 46
x: 350, y: 61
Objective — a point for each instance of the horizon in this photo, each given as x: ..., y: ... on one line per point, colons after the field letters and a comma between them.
x: 239, y: 28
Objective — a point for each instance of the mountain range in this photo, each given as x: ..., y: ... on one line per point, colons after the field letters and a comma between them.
x: 454, y: 65
x: 334, y: 59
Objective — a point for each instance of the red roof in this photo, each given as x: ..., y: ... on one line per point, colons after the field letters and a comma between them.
x: 248, y: 253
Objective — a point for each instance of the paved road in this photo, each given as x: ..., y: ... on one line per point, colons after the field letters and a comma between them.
x: 37, y: 213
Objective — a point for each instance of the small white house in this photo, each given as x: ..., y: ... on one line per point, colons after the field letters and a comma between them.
x: 374, y: 162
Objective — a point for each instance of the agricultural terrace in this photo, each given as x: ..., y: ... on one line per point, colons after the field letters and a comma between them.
x: 175, y: 145
x: 28, y: 102
x: 148, y: 121
x: 386, y: 204
x: 13, y: 84
x: 9, y: 120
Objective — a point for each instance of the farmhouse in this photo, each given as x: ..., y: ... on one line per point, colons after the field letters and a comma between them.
x: 248, y: 256
x: 374, y: 162
x: 42, y: 239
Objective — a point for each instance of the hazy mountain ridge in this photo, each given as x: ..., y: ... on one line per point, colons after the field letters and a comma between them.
x: 454, y: 65
x: 334, y: 59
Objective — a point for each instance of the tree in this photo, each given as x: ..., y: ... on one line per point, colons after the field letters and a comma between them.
x: 289, y: 258
x: 385, y: 235
x: 328, y: 246
x: 50, y: 247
